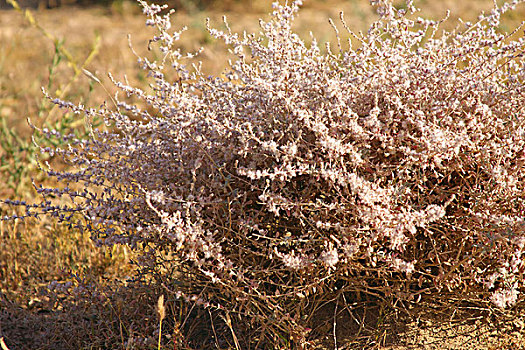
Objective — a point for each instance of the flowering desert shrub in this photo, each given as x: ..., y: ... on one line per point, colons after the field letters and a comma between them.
x: 390, y: 167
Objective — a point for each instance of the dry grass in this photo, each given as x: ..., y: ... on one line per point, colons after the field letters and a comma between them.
x: 33, y: 254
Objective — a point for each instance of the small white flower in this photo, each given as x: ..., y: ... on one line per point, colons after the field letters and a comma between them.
x: 504, y: 298
x: 330, y: 257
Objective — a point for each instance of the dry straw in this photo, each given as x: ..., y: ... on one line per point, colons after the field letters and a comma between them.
x: 162, y: 314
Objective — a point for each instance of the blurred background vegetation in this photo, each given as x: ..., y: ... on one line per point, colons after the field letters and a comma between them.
x: 177, y: 4
x: 47, y: 43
